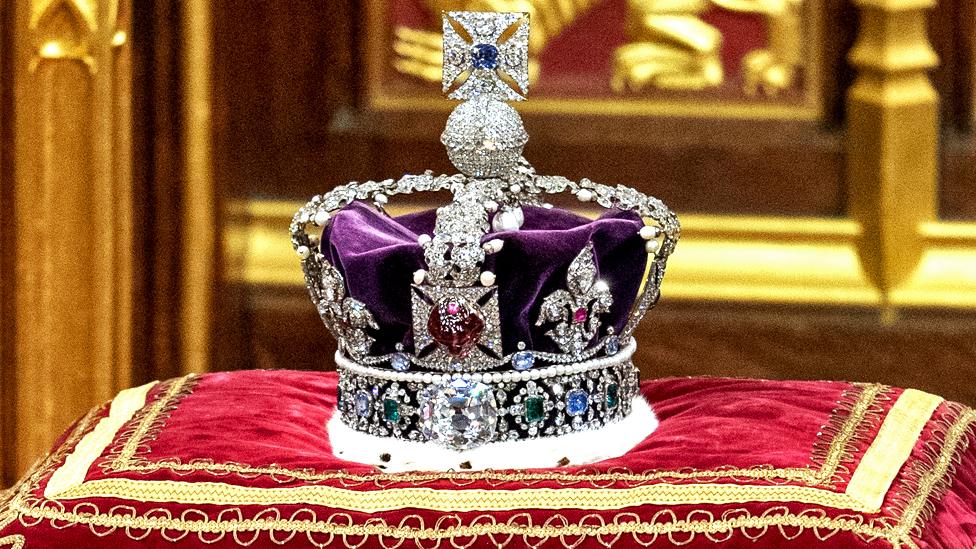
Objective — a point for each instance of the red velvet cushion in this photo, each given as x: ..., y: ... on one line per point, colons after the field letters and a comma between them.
x: 242, y: 459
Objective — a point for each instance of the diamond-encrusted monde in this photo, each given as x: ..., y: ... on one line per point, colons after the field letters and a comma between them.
x: 454, y: 380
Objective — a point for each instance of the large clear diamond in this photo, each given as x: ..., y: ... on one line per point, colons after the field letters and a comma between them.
x: 459, y: 414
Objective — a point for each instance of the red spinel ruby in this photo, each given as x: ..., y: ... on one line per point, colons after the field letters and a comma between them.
x: 455, y: 325
x: 579, y: 316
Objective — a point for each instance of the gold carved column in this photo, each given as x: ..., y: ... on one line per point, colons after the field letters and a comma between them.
x: 892, y: 138
x: 72, y: 208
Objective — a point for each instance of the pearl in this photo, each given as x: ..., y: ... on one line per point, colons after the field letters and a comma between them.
x: 651, y: 246
x: 303, y: 252
x: 322, y: 217
x: 476, y: 377
x: 380, y: 199
x: 519, y: 215
x: 507, y: 377
x: 487, y: 278
x: 419, y: 276
x: 649, y: 232
x: 427, y: 378
x: 423, y: 239
x: 505, y: 221
x: 533, y: 374
x: 584, y: 195
x: 496, y: 377
x: 493, y: 246
x: 561, y: 369
x: 491, y: 206
x: 437, y: 378
x: 516, y: 188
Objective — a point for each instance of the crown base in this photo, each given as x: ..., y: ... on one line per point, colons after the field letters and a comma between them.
x: 464, y: 411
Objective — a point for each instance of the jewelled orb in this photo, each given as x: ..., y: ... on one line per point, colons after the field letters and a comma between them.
x: 484, y: 138
x: 459, y: 414
x: 456, y: 325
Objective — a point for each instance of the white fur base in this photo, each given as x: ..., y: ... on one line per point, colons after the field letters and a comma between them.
x: 579, y: 448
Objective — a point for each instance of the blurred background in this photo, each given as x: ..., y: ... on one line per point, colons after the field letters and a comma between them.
x: 819, y: 152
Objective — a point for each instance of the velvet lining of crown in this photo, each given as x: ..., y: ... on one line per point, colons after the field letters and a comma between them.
x: 378, y: 254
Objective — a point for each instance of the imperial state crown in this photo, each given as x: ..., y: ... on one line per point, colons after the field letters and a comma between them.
x: 497, y: 317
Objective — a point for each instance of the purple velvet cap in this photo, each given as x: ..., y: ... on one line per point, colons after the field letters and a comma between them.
x: 378, y: 255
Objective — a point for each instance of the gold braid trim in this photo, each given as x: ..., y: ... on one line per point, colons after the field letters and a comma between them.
x: 146, y: 424
x: 857, y: 413
x: 394, y: 499
x: 13, y: 541
x: 931, y: 476
x: 892, y: 447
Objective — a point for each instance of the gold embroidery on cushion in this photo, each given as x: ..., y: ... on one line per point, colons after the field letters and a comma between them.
x: 854, y: 417
x: 150, y: 420
x: 75, y: 467
x: 13, y: 542
x: 930, y: 477
x: 519, y: 528
x: 469, y: 500
x: 858, y: 412
x: 891, y: 447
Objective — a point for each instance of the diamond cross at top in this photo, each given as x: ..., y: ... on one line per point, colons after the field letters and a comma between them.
x: 486, y: 54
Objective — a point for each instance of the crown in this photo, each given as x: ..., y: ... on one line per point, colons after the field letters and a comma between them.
x: 498, y: 316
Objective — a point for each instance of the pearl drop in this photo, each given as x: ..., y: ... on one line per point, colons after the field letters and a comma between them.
x: 651, y: 246
x: 322, y: 217
x: 487, y: 278
x: 381, y: 198
x: 505, y: 221
x: 584, y: 195
x: 419, y: 276
x: 423, y: 239
x: 493, y: 246
x: 649, y: 232
x: 303, y: 252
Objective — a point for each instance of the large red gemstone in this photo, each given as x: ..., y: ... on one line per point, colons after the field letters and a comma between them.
x: 455, y: 325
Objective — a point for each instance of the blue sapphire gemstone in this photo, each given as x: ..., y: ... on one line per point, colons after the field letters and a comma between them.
x: 400, y: 362
x: 362, y: 401
x: 613, y: 345
x: 484, y: 56
x: 523, y: 360
x: 577, y: 402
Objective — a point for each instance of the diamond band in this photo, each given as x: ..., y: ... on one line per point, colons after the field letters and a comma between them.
x: 460, y: 411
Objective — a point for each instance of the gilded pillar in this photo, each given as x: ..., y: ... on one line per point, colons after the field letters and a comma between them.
x: 73, y: 214
x: 892, y: 137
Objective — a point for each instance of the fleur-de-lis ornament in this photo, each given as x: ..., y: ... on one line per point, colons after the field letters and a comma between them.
x: 577, y: 310
x: 348, y: 316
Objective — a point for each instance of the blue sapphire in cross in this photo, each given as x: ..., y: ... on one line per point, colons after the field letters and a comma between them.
x: 484, y: 56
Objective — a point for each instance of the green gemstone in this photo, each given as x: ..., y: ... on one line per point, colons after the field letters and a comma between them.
x: 391, y: 410
x: 613, y: 395
x: 534, y: 411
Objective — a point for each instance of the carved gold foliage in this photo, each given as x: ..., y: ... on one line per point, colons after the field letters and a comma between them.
x: 62, y: 29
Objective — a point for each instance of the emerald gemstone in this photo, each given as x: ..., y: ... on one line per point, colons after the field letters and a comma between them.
x: 391, y: 410
x: 534, y: 410
x: 613, y: 395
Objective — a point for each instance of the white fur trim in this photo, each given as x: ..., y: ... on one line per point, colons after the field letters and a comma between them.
x: 579, y: 448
